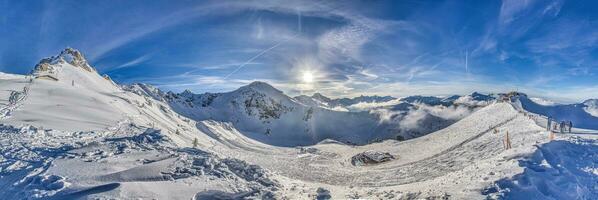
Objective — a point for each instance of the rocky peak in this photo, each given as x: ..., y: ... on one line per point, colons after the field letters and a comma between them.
x: 143, y: 89
x: 451, y: 98
x: 68, y: 55
x: 481, y: 97
x: 187, y: 93
x: 320, y: 97
x: 260, y: 87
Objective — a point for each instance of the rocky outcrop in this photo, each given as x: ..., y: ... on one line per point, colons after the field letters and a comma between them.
x: 68, y: 55
x: 370, y: 158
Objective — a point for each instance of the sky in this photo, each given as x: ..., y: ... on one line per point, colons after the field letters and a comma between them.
x: 338, y: 48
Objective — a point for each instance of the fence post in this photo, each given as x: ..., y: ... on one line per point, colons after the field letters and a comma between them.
x: 507, y: 141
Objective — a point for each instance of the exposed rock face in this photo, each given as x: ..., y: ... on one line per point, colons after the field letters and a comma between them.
x: 68, y: 55
x: 371, y: 157
x: 323, y: 194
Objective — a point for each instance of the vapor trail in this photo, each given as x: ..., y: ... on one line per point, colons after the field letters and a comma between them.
x: 466, y: 62
x: 255, y: 57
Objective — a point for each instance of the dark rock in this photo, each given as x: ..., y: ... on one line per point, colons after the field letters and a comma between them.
x: 323, y: 194
x: 371, y: 157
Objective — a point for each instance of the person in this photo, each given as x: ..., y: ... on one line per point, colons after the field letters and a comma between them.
x: 570, y: 125
x: 562, y: 126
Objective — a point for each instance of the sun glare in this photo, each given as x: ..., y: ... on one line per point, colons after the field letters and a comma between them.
x: 307, y: 77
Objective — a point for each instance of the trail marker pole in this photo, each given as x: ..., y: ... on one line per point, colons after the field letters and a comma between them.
x: 507, y: 142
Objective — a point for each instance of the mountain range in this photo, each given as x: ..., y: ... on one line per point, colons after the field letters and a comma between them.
x: 67, y: 132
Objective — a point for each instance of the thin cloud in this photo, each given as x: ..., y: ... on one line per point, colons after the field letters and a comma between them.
x: 130, y: 63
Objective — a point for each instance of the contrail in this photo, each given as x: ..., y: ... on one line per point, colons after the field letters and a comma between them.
x: 258, y: 55
x: 299, y: 21
x: 268, y: 49
x: 466, y: 62
x: 253, y: 58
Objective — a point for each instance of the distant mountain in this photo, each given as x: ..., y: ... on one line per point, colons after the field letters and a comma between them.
x: 429, y: 100
x: 318, y: 99
x: 451, y: 98
x: 363, y: 99
x: 591, y: 106
x: 475, y: 99
x: 266, y: 114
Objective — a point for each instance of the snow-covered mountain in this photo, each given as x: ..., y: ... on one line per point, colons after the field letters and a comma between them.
x: 474, y: 99
x: 266, y: 114
x: 591, y: 106
x: 68, y: 133
x: 341, y: 104
x: 429, y: 100
x: 67, y: 120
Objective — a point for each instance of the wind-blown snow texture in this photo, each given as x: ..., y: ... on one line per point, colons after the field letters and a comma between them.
x: 556, y: 170
x: 66, y: 133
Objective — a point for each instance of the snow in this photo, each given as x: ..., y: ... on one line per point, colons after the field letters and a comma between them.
x: 98, y: 140
x: 591, y: 107
x: 580, y: 114
x: 268, y: 115
x: 556, y: 170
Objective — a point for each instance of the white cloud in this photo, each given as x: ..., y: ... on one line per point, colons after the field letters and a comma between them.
x: 510, y: 10
x: 449, y: 113
x: 542, y: 101
x: 365, y: 106
x: 133, y: 62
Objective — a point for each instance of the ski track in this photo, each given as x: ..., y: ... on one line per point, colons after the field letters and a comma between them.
x: 15, y: 101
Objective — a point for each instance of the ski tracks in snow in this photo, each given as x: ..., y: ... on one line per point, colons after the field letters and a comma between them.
x: 15, y: 100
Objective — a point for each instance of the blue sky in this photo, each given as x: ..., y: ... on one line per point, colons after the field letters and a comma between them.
x: 544, y: 48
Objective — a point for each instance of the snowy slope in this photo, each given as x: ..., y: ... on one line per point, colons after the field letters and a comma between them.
x: 60, y: 140
x: 266, y: 114
x: 97, y: 140
x: 591, y: 106
x: 80, y: 100
x: 460, y: 161
x: 560, y: 169
x: 581, y: 114
x: 79, y: 97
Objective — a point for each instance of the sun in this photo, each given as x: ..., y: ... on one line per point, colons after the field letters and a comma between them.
x: 307, y: 77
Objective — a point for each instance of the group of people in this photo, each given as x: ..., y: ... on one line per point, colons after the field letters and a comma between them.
x: 562, y: 127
